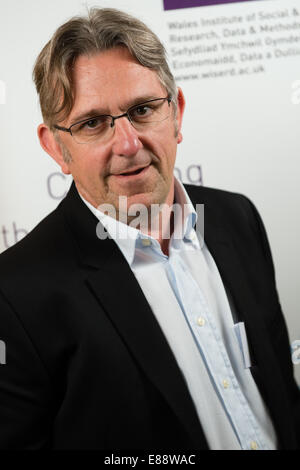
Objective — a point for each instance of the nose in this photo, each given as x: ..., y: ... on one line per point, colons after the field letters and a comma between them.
x: 125, y: 141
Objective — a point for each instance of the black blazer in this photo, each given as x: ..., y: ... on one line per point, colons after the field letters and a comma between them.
x: 87, y: 365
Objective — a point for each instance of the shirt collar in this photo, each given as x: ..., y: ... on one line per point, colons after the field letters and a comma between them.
x: 189, y: 218
x: 129, y: 239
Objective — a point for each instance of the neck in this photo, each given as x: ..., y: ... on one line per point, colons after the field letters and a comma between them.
x: 161, y: 226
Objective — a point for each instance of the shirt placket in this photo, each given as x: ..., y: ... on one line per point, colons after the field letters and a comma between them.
x: 213, y: 353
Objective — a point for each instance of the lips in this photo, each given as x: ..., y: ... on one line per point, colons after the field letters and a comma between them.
x: 132, y: 171
x: 132, y: 175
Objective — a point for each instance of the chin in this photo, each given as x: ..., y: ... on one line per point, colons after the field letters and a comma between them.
x: 144, y: 198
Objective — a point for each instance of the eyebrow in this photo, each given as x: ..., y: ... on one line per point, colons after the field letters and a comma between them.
x: 98, y: 112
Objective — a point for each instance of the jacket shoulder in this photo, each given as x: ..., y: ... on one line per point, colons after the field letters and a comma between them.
x: 211, y: 195
x: 226, y: 204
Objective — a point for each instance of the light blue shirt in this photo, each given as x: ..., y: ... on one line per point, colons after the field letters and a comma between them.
x: 188, y: 298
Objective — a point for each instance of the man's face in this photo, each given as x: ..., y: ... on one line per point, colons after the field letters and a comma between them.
x: 111, y: 82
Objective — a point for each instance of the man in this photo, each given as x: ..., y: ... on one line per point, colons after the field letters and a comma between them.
x: 119, y: 334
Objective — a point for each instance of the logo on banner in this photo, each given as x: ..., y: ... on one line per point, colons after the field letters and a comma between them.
x: 176, y: 4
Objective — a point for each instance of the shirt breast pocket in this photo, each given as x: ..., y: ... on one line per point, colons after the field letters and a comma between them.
x: 240, y: 332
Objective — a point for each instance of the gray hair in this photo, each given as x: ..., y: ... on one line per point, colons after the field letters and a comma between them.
x: 102, y: 29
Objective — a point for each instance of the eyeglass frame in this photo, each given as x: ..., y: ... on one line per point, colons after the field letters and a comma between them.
x: 113, y: 118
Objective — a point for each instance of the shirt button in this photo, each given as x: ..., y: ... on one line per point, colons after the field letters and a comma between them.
x: 225, y: 383
x: 253, y: 445
x: 200, y: 321
x: 146, y: 242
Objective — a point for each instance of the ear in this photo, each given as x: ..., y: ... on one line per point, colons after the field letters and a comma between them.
x: 180, y: 111
x: 52, y: 147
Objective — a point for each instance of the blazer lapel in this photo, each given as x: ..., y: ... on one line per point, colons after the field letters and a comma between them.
x: 121, y: 297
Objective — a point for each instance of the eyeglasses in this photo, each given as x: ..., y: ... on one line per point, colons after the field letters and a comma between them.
x: 101, y: 127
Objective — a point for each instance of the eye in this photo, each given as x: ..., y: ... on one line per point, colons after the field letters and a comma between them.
x: 93, y: 123
x: 97, y: 124
x: 141, y: 111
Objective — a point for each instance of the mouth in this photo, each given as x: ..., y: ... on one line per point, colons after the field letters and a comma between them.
x: 131, y: 175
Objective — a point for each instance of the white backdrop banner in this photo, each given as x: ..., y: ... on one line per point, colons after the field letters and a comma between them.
x: 238, y: 63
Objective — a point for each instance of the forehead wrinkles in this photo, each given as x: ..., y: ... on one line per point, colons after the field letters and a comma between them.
x: 112, y: 81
